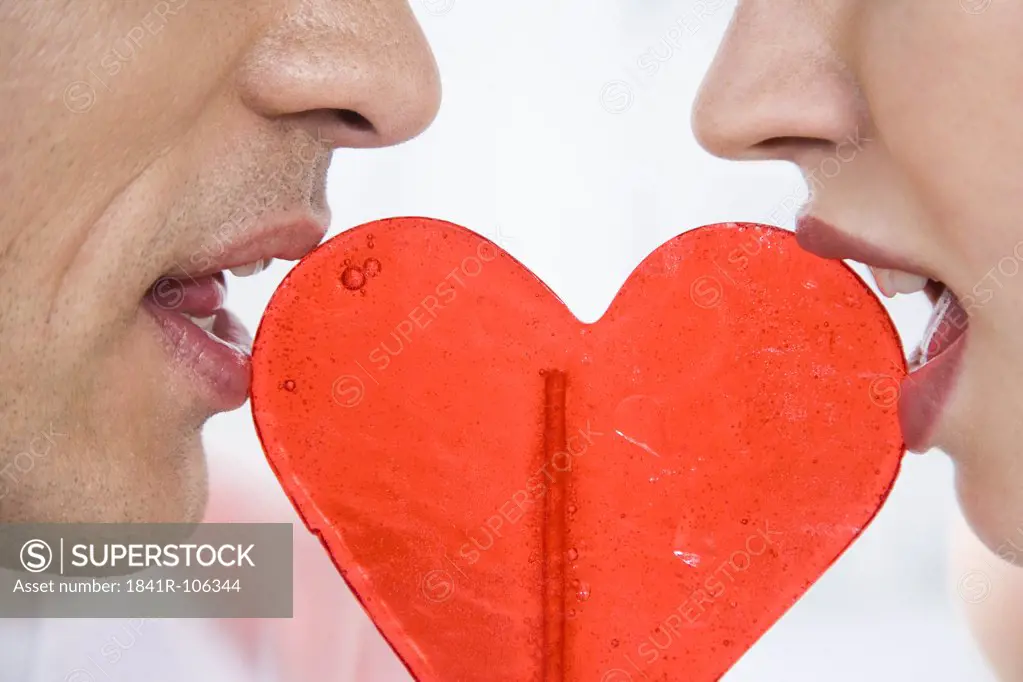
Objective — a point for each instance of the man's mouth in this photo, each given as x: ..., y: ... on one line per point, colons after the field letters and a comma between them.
x: 935, y: 362
x: 202, y: 337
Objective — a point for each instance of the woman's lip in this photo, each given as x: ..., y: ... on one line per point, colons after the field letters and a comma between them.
x: 827, y: 241
x: 924, y: 394
x: 925, y: 390
x: 220, y: 361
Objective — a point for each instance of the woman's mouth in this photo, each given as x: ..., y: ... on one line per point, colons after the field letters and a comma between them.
x: 934, y: 364
x: 934, y: 368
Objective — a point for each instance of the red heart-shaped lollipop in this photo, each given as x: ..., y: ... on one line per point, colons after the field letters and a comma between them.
x: 516, y: 496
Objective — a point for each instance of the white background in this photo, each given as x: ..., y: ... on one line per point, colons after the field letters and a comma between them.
x: 555, y: 143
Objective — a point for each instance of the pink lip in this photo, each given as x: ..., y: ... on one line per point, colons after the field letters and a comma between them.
x: 926, y: 390
x: 288, y: 238
x: 220, y: 360
x: 827, y: 241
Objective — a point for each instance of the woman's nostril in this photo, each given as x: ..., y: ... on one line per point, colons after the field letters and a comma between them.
x: 354, y: 120
x: 775, y: 144
x: 788, y: 148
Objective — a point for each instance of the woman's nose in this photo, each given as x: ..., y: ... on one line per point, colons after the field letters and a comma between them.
x: 367, y: 63
x: 777, y: 85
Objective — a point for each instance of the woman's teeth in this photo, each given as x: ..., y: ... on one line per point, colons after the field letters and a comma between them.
x: 250, y: 269
x: 892, y: 282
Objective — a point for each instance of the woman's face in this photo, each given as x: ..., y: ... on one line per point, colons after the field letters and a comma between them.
x: 905, y: 118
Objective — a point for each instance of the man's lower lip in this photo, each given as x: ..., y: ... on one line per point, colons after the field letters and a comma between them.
x: 222, y: 369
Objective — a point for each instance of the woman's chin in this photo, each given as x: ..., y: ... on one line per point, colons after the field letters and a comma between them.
x: 991, y: 504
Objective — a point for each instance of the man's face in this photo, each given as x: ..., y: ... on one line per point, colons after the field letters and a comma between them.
x: 148, y: 146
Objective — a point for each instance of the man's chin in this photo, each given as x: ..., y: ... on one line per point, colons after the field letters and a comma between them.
x: 173, y: 488
x: 156, y: 481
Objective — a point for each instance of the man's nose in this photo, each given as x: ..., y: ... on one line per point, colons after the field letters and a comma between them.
x: 366, y: 63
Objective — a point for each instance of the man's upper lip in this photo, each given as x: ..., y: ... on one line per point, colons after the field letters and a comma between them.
x: 827, y: 241
x: 287, y: 238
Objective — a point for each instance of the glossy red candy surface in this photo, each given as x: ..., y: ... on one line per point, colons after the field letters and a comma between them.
x: 516, y: 496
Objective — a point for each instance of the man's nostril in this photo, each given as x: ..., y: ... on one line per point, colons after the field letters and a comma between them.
x: 354, y: 120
